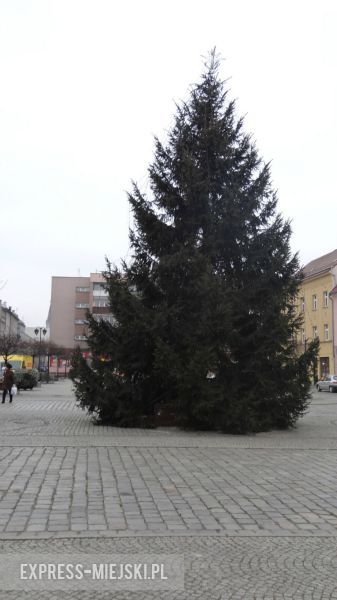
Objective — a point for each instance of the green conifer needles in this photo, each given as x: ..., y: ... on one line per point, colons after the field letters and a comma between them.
x: 205, y: 325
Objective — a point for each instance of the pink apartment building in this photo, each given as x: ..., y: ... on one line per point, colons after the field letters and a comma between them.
x: 71, y: 298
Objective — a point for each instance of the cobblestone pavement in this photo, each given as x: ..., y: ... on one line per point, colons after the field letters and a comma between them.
x: 48, y: 414
x: 217, y: 568
x: 254, y: 516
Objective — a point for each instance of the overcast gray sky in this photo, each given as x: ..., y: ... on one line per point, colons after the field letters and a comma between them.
x: 86, y: 84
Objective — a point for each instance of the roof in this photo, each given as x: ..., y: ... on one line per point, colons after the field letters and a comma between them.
x: 333, y: 291
x: 323, y: 263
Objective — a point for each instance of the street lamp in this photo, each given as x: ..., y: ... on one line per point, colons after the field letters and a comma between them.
x: 41, y: 331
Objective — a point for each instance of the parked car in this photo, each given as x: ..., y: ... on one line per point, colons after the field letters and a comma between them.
x: 327, y: 384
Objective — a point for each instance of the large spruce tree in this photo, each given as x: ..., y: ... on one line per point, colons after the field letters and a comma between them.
x: 204, y: 313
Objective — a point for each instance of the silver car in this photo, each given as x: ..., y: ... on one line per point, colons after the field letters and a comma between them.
x: 327, y: 384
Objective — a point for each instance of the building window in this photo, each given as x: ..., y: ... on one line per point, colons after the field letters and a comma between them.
x: 80, y: 338
x: 325, y: 299
x: 326, y: 331
x: 314, y: 332
x: 302, y: 304
x: 108, y: 318
x: 314, y: 302
x: 82, y: 289
x: 81, y: 322
x: 81, y: 305
x: 99, y: 289
x: 100, y: 303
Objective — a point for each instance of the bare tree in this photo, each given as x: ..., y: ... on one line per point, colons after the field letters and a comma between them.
x: 44, y: 348
x: 9, y: 345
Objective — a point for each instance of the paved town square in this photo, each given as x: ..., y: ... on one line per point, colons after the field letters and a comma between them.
x: 252, y: 516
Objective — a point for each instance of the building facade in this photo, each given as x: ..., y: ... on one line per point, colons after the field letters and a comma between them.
x: 316, y: 305
x: 71, y: 299
x: 333, y: 296
x: 11, y: 324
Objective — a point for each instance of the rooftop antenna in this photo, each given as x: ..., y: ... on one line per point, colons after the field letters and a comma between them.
x: 79, y: 272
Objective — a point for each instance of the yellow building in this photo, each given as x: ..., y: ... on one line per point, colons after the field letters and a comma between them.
x: 315, y: 305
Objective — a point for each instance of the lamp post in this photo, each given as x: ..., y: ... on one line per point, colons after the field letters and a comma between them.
x: 41, y: 331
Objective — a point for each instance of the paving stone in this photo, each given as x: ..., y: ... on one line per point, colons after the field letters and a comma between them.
x: 256, y: 516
